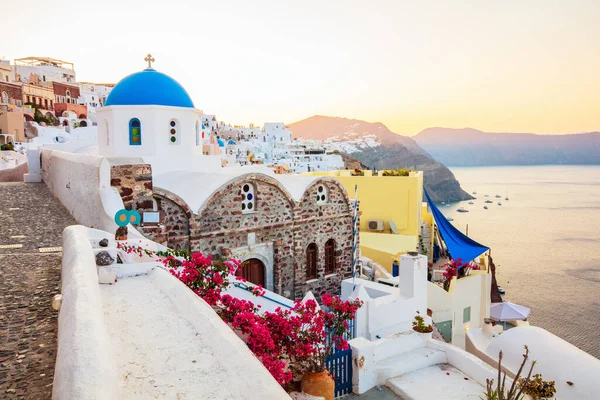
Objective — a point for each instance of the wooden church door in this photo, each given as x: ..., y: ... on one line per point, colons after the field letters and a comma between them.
x: 253, y: 270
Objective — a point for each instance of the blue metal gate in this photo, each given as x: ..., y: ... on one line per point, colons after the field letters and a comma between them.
x: 339, y: 365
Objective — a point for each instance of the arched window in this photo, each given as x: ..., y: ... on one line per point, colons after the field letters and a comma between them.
x: 248, y: 199
x: 197, y: 134
x: 311, y: 261
x: 4, y: 97
x: 174, y: 132
x: 68, y: 93
x: 330, y: 256
x: 322, y: 194
x: 135, y: 132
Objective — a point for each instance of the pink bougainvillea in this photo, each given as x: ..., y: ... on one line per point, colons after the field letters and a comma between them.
x: 457, y: 268
x: 288, y: 341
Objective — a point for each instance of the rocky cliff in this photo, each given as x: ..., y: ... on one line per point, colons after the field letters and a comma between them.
x: 375, y: 146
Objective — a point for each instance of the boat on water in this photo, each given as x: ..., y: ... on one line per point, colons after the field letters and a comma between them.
x: 485, y: 207
x: 486, y: 195
x: 499, y: 203
x: 498, y: 196
x: 474, y: 192
x: 489, y: 201
x: 462, y: 209
x: 506, y: 198
x: 471, y: 202
x: 447, y: 205
x: 443, y: 203
x: 500, y: 290
x: 450, y: 219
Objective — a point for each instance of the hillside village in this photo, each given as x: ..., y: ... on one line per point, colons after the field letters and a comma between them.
x: 204, y: 260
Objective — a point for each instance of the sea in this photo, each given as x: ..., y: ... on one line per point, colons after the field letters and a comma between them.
x: 545, y: 241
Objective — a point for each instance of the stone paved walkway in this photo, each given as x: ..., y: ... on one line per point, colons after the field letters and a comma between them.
x: 32, y: 217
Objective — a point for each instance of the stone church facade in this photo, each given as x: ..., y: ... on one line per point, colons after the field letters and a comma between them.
x: 290, y: 245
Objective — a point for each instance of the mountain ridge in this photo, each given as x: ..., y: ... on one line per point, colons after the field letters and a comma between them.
x: 373, y: 144
x: 472, y: 147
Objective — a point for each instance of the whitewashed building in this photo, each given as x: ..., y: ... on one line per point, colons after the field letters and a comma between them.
x: 93, y: 95
x: 47, y: 70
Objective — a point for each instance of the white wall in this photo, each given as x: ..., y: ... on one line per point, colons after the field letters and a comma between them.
x: 51, y: 73
x: 85, y: 367
x: 155, y: 129
x: 389, y: 310
x: 82, y: 184
x: 156, y: 148
x: 471, y: 291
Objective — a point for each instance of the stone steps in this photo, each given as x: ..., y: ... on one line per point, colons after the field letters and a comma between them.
x: 441, y: 381
x: 403, y: 363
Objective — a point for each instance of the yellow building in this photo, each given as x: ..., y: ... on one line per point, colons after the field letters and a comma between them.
x: 391, y: 210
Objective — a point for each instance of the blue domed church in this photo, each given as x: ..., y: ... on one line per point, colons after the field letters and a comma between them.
x: 148, y: 114
x: 153, y: 144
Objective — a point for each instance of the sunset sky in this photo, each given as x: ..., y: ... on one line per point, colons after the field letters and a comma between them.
x: 504, y: 66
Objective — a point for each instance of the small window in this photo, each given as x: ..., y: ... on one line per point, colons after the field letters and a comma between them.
x: 174, y: 132
x: 68, y: 93
x: 467, y: 315
x: 4, y: 97
x: 248, y: 199
x: 135, y: 132
x: 322, y: 194
x: 311, y: 261
x: 330, y: 256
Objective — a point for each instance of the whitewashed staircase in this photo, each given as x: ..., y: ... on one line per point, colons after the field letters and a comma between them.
x: 415, y: 355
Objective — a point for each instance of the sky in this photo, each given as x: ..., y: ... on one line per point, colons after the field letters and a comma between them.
x: 499, y: 66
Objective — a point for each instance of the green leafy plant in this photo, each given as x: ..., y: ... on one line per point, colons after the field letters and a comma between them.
x: 516, y: 389
x: 538, y: 388
x: 396, y: 172
x: 422, y: 247
x: 419, y: 324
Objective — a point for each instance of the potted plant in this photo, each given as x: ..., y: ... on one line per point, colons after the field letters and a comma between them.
x: 426, y: 331
x: 538, y: 388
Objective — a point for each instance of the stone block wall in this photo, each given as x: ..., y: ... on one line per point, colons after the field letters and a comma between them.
x: 289, y: 225
x: 175, y: 218
x: 317, y: 223
x: 134, y: 183
x: 221, y: 225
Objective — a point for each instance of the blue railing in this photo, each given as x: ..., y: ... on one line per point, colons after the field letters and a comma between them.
x: 249, y: 289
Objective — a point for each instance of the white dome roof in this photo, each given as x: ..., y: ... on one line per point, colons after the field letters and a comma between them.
x: 557, y: 360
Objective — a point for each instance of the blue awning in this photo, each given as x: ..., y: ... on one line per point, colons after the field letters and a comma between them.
x: 459, y: 245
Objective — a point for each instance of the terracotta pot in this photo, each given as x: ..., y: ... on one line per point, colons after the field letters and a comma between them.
x: 318, y: 384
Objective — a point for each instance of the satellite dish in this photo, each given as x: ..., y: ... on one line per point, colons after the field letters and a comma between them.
x: 393, y: 227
